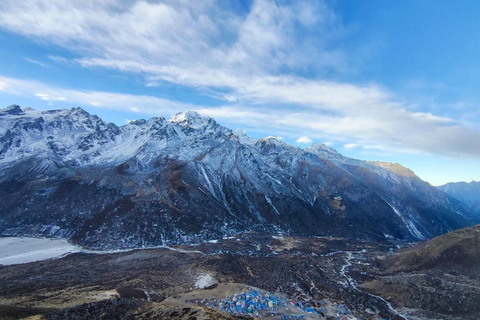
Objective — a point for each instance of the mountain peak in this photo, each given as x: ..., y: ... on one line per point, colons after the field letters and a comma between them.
x: 13, y: 109
x: 191, y: 119
x: 272, y: 140
x: 244, y: 138
x: 468, y: 193
x: 321, y: 148
x: 394, y: 167
x: 78, y: 110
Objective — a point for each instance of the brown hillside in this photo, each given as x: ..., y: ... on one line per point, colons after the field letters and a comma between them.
x: 460, y: 248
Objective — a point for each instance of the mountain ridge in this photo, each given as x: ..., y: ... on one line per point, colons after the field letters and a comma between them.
x: 467, y: 192
x: 186, y: 179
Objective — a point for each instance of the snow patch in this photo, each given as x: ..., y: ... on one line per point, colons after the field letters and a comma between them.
x: 204, y: 280
x: 277, y: 181
x: 25, y: 250
x: 190, y: 118
x: 408, y: 223
x: 243, y: 138
x: 271, y: 204
x: 210, y: 186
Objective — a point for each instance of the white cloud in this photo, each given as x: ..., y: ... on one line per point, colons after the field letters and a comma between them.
x: 36, y: 62
x: 196, y: 37
x: 374, y: 147
x: 400, y: 131
x: 350, y: 146
x: 48, y: 97
x: 43, y: 96
x: 108, y: 100
x: 62, y: 60
x: 304, y: 139
x: 197, y: 44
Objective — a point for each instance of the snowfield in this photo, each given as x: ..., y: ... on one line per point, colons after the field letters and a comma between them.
x: 204, y: 280
x: 18, y: 250
x: 15, y: 250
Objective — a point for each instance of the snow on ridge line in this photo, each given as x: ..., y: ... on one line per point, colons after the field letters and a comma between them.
x: 60, y: 133
x: 192, y: 119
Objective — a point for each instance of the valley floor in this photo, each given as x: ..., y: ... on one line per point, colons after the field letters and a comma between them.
x: 314, y: 278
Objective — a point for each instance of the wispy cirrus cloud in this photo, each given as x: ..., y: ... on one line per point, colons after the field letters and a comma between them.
x: 41, y: 64
x: 174, y: 40
x: 98, y: 99
x: 266, y: 65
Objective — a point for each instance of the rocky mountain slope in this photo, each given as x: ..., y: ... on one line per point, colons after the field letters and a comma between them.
x: 468, y: 193
x: 69, y: 174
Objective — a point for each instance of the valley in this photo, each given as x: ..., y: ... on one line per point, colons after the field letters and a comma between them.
x: 319, y: 274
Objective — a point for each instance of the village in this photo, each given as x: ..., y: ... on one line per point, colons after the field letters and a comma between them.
x: 260, y: 304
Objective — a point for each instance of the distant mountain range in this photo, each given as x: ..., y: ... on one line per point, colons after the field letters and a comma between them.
x: 468, y: 193
x: 66, y: 173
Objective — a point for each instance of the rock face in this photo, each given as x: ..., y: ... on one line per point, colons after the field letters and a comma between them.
x: 69, y: 174
x: 468, y: 193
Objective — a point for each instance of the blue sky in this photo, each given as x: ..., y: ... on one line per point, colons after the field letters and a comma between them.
x: 377, y: 80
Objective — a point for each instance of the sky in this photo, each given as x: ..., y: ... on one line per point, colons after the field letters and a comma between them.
x: 379, y: 80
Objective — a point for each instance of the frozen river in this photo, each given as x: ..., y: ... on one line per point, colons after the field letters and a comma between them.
x: 17, y: 250
x: 22, y: 250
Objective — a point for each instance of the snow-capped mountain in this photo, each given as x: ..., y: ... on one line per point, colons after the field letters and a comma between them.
x: 68, y: 173
x: 468, y: 193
